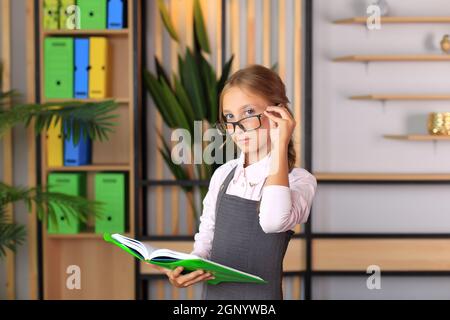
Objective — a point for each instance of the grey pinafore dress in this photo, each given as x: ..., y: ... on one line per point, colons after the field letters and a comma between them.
x: 240, y: 243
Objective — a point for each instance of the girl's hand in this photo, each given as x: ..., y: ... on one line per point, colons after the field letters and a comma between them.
x: 186, y: 280
x: 282, y: 125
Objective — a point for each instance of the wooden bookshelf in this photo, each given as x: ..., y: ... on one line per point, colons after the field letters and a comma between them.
x: 394, y: 58
x: 417, y: 97
x: 106, y: 32
x: 106, y: 272
x: 81, y: 235
x: 417, y: 137
x: 118, y: 100
x: 99, y: 167
x: 395, y: 20
x: 328, y: 176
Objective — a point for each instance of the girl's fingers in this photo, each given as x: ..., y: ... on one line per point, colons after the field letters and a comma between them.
x: 191, y: 275
x: 282, y: 111
x: 198, y: 279
x: 272, y: 117
x: 176, y: 272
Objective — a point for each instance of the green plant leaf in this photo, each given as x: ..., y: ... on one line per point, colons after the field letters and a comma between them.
x: 226, y: 69
x: 174, y: 108
x: 184, y: 101
x: 155, y: 89
x: 167, y: 21
x: 74, y: 115
x: 192, y: 82
x: 274, y: 67
x: 199, y: 27
x: 209, y: 87
x: 160, y: 70
x: 179, y: 172
x: 11, y: 234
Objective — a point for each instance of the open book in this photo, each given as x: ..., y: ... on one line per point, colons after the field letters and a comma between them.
x: 171, y: 259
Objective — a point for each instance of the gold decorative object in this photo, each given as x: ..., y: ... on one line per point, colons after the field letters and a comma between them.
x: 445, y: 44
x: 439, y: 123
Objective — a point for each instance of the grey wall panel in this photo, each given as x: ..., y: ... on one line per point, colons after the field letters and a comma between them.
x: 410, y: 288
x: 382, y: 208
x: 347, y: 135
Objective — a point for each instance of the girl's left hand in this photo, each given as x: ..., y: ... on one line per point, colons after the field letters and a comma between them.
x: 282, y: 125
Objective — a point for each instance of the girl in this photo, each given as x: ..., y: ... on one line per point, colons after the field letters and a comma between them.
x: 253, y: 201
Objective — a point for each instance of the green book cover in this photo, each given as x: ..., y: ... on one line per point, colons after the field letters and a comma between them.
x: 170, y: 259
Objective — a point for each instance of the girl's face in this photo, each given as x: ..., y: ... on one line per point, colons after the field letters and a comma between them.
x: 239, y: 104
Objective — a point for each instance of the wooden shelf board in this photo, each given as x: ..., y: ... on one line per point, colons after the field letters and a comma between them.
x: 321, y: 176
x: 94, y: 167
x: 81, y: 235
x: 118, y: 100
x: 417, y: 137
x: 100, y: 32
x: 420, y: 97
x: 392, y: 58
x: 362, y: 20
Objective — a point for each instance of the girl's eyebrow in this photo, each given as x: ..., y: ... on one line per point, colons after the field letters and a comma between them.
x: 242, y: 107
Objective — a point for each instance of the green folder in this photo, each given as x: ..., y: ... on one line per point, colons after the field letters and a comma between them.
x: 73, y: 184
x: 92, y: 14
x: 110, y: 190
x: 51, y: 14
x: 58, y: 67
x: 170, y: 259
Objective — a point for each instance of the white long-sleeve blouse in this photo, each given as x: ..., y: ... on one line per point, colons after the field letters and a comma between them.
x: 281, y: 207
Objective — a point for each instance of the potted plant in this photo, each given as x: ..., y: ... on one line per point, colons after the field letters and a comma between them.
x: 188, y: 95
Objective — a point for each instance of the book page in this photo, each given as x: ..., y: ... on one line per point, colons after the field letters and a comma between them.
x: 133, y: 244
x: 172, y: 254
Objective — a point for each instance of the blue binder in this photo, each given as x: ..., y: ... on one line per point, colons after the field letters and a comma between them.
x: 76, y: 155
x: 81, y: 68
x: 115, y: 14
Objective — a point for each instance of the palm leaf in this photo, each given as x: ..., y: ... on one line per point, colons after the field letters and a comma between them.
x: 76, y: 116
x: 11, y: 234
x: 76, y: 206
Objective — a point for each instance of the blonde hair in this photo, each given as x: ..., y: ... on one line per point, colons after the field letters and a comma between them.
x: 263, y: 82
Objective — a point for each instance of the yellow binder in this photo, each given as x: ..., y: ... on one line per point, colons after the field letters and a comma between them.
x: 98, y: 72
x: 55, y: 145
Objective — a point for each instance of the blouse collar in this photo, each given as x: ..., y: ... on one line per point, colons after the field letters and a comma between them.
x: 254, y: 173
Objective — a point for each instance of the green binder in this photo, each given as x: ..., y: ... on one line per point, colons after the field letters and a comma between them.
x: 51, y: 14
x: 58, y: 67
x: 170, y: 259
x: 92, y: 14
x: 110, y: 189
x: 71, y: 184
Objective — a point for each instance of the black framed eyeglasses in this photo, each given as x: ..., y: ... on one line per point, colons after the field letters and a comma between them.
x: 246, y: 124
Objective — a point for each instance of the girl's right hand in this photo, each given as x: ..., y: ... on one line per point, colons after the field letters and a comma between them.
x: 185, y: 280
